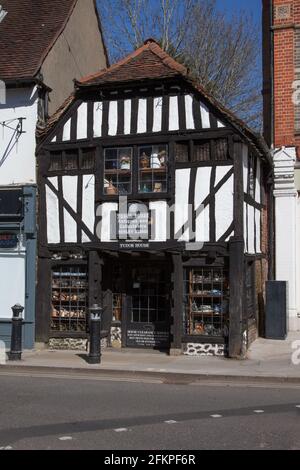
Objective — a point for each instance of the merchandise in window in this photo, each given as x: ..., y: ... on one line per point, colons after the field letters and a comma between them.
x: 206, y: 302
x: 118, y: 171
x: 69, y: 299
x: 153, y: 164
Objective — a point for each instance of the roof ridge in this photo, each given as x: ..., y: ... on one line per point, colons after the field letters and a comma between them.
x: 151, y: 45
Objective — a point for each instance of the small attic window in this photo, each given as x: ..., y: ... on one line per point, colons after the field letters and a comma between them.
x: 3, y: 13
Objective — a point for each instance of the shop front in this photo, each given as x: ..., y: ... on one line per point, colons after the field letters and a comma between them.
x: 152, y: 203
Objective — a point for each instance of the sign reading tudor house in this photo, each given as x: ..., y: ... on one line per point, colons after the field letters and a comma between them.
x: 153, y: 201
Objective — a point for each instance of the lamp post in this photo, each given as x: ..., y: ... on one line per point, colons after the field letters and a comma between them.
x: 95, y: 334
x: 16, y: 333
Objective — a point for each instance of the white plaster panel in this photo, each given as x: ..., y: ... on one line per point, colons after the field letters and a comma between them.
x: 251, y: 229
x: 107, y: 208
x: 245, y: 215
x: 258, y: 182
x: 70, y: 228
x: 157, y: 114
x: 245, y: 167
x: 189, y: 116
x: 258, y: 230
x: 67, y: 131
x: 127, y: 116
x: 69, y: 184
x: 98, y: 117
x: 88, y: 204
x: 202, y: 190
x: 221, y: 171
x: 181, y: 202
x: 142, y: 116
x: 82, y: 121
x: 173, y: 114
x: 52, y: 216
x: 220, y: 124
x: 205, y: 116
x: 224, y: 208
x: 161, y: 222
x: 113, y: 118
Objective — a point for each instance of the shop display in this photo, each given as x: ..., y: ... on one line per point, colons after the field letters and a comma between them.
x: 207, y: 294
x: 69, y: 299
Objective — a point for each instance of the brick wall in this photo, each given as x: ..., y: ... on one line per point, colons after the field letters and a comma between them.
x: 286, y: 20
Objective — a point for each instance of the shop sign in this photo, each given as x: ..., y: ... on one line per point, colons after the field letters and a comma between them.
x: 8, y: 240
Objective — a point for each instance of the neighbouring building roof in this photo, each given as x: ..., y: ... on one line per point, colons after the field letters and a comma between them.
x: 150, y: 62
x: 28, y: 32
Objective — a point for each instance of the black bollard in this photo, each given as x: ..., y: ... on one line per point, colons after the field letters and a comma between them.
x: 95, y: 334
x: 16, y: 333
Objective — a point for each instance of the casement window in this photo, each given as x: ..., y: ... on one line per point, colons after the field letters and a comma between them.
x: 118, y: 171
x: 151, y: 169
x: 153, y: 164
x: 73, y: 159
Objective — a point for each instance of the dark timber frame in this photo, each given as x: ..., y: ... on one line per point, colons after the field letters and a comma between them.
x: 98, y: 255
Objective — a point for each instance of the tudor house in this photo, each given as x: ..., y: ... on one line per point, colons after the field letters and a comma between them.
x: 153, y: 202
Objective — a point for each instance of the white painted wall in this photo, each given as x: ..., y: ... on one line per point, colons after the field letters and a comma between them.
x: 286, y: 228
x: 19, y: 166
x: 12, y: 285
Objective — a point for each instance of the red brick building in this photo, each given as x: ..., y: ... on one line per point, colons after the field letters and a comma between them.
x: 281, y: 91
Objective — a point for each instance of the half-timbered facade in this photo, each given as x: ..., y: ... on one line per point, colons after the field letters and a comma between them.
x: 152, y: 202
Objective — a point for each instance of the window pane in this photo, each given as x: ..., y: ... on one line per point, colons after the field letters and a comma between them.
x: 118, y: 171
x: 221, y: 149
x: 182, y: 152
x: 153, y: 162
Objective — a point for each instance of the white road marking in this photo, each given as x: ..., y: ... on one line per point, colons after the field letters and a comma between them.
x: 121, y: 430
x: 6, y: 448
x: 171, y: 422
x: 258, y: 411
x: 297, y: 406
x: 216, y: 416
x: 65, y: 438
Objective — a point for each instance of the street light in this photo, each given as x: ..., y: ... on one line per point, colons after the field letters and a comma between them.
x: 95, y: 334
x: 16, y: 333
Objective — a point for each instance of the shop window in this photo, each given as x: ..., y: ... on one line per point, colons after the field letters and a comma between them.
x: 153, y: 172
x: 88, y: 159
x: 182, y: 152
x: 118, y: 171
x: 201, y: 152
x: 69, y: 299
x: 206, y: 302
x: 71, y: 160
x: 221, y: 149
x: 55, y: 161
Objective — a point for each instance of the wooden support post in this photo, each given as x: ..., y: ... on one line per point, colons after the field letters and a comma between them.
x: 177, y: 306
x: 236, y: 282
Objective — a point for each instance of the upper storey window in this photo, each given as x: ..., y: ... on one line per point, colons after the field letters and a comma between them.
x: 118, y: 171
x: 153, y: 163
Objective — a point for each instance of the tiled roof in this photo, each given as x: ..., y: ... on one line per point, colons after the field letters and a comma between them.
x: 28, y: 32
x: 149, y: 62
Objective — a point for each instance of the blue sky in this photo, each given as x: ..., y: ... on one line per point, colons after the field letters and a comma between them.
x: 253, y: 6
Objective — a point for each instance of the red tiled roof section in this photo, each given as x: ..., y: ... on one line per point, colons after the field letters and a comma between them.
x: 28, y: 32
x: 147, y: 62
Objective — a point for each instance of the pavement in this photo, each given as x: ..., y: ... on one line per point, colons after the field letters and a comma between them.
x: 267, y: 360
